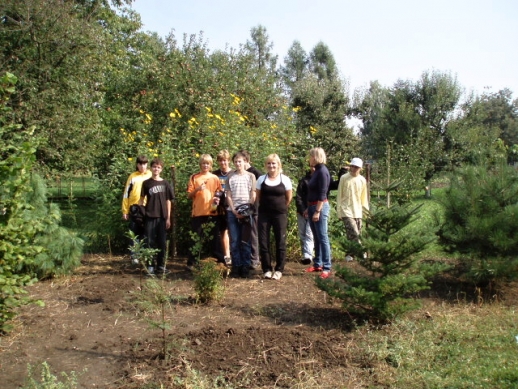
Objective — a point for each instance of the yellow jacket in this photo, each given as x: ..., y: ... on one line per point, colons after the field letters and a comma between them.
x: 352, y: 196
x: 132, y: 190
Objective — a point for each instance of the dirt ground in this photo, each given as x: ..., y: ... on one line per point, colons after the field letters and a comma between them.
x: 261, y: 334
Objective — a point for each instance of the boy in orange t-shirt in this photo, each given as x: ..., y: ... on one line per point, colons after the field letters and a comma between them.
x: 205, y: 190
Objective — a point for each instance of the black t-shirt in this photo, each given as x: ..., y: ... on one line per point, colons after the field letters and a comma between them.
x: 157, y: 193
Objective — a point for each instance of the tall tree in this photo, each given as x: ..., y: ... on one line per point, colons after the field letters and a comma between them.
x: 261, y: 48
x: 55, y: 48
x: 411, y: 118
x: 295, y: 65
x: 320, y: 101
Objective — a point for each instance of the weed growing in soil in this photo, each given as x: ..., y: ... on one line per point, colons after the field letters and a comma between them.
x: 49, y: 380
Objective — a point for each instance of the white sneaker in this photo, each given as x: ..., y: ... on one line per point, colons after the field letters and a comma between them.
x: 135, y: 261
x: 277, y: 275
x: 348, y: 258
x: 268, y: 275
x: 228, y: 261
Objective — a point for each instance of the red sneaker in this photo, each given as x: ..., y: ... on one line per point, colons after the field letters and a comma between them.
x: 325, y: 274
x: 313, y: 269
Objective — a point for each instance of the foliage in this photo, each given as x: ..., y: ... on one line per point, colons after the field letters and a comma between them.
x: 208, y: 282
x: 411, y: 119
x: 49, y: 380
x: 320, y: 103
x: 17, y: 230
x: 390, y: 273
x: 57, y: 50
x: 62, y: 249
x: 486, y: 128
x: 480, y: 221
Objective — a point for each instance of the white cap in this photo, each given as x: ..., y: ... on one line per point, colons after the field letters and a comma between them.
x: 357, y: 162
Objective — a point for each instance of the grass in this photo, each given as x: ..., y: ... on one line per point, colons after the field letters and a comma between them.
x: 462, y: 346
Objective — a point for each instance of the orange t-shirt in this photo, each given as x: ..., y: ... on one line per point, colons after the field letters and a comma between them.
x: 202, y: 201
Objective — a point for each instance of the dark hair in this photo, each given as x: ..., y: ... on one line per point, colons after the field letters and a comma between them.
x: 239, y: 154
x: 142, y: 159
x: 157, y: 161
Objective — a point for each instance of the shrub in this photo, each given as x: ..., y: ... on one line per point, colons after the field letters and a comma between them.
x: 208, y: 282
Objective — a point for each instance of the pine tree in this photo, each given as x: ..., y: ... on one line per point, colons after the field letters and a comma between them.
x: 384, y: 286
x: 481, y: 221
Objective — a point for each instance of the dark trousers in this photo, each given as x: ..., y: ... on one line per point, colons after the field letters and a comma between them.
x: 279, y: 223
x: 156, y: 238
x: 200, y: 226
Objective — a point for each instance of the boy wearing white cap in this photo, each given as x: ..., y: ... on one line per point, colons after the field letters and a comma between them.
x: 352, y: 197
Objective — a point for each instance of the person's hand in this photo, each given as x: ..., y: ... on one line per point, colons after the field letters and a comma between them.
x: 202, y: 186
x: 167, y: 224
x: 316, y: 216
x: 305, y: 214
x: 125, y: 217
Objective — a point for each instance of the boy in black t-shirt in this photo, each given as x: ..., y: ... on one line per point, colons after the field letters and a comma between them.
x: 159, y: 195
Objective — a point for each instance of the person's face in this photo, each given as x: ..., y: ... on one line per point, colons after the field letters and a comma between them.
x: 142, y: 167
x: 205, y: 166
x: 354, y: 170
x: 224, y: 164
x: 239, y: 163
x: 312, y: 162
x: 156, y: 169
x: 272, y: 167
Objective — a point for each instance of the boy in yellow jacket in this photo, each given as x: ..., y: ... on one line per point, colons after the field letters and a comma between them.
x: 131, y: 196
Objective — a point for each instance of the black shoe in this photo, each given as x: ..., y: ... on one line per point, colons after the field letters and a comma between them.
x: 244, y: 272
x: 305, y: 261
x: 236, y: 271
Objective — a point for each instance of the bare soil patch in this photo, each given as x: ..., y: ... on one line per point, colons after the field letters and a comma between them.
x: 262, y: 334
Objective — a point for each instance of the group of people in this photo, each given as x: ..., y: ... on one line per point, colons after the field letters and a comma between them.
x: 236, y: 210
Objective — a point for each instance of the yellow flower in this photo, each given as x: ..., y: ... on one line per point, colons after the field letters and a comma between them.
x: 172, y: 114
x: 177, y: 112
x: 312, y: 129
x: 130, y: 159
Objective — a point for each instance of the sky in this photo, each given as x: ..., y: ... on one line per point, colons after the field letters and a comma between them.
x: 475, y: 41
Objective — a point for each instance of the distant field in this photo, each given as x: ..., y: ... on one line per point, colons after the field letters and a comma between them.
x: 77, y: 186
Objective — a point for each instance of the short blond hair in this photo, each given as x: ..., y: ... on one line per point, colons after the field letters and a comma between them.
x: 319, y: 154
x: 205, y: 158
x: 223, y: 155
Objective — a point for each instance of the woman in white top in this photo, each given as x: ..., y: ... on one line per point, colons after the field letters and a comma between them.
x: 274, y: 193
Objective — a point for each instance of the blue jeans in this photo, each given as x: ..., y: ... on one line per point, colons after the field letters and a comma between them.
x: 320, y: 236
x: 305, y: 236
x: 240, y: 251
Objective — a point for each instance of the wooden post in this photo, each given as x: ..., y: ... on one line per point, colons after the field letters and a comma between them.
x: 172, y: 234
x: 368, y: 179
